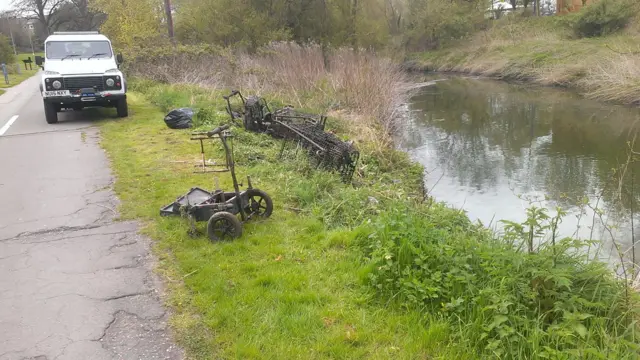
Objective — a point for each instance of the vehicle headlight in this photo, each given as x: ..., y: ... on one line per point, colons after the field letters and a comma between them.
x: 57, y: 84
x: 110, y: 82
x: 51, y: 72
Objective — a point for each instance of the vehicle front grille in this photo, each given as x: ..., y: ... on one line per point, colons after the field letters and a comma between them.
x: 76, y: 83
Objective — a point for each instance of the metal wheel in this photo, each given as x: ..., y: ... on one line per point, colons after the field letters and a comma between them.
x: 223, y: 225
x: 259, y: 204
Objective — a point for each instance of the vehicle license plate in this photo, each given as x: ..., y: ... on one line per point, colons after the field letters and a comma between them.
x: 57, y: 93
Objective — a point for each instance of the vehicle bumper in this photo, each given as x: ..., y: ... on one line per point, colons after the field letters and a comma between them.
x: 99, y: 100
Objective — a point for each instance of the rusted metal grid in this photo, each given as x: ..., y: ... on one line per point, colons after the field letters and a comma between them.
x: 308, y: 130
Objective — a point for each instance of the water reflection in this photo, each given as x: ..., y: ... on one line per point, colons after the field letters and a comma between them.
x: 488, y: 146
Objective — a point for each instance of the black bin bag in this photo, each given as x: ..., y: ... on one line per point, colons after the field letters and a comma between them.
x: 179, y: 118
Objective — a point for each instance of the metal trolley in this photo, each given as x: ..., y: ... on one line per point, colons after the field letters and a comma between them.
x: 220, y: 208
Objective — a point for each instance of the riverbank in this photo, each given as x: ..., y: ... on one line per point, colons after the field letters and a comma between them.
x: 292, y: 286
x: 541, y: 51
x: 360, y: 271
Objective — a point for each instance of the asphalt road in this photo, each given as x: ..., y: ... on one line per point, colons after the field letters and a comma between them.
x: 74, y: 284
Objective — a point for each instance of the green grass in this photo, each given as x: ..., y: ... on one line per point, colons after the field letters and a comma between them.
x: 14, y: 77
x: 290, y: 287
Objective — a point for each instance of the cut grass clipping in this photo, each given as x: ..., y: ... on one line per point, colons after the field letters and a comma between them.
x: 343, y: 272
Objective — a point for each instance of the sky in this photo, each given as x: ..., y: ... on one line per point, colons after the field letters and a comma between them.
x: 5, y: 4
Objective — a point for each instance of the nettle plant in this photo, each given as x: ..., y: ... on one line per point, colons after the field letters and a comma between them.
x: 509, y: 297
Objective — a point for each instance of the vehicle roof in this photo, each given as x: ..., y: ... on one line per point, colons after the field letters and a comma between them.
x: 77, y: 37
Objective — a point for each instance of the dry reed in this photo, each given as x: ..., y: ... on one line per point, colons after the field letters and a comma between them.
x: 367, y: 89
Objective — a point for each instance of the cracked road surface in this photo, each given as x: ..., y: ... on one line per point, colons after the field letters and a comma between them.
x: 74, y: 284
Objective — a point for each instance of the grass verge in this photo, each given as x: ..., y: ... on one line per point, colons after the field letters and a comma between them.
x: 16, y: 78
x: 290, y: 287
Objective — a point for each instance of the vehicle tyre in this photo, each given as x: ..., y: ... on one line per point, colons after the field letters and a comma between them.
x: 123, y: 108
x: 50, y: 113
x: 259, y: 204
x: 223, y: 225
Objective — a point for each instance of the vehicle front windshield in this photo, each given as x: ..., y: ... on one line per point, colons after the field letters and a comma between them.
x: 78, y: 49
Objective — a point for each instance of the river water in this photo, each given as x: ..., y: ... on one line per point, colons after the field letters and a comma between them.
x: 494, y: 149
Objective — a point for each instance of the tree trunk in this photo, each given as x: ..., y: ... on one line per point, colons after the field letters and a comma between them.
x: 325, y: 37
x: 40, y: 10
x: 167, y: 9
x: 354, y: 17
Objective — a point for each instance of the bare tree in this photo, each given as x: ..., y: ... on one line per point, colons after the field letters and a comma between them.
x: 44, y: 11
x: 394, y: 14
x: 86, y: 19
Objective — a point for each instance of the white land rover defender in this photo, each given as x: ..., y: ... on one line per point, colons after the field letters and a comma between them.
x: 81, y: 70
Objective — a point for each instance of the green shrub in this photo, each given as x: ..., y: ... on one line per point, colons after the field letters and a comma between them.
x: 604, y: 17
x: 6, y: 52
x: 505, y: 303
x: 439, y: 22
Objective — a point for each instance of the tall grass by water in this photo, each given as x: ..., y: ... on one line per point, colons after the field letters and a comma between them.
x: 548, y: 51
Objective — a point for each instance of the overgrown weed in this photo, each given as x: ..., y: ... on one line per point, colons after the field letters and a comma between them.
x: 507, y: 303
x: 368, y: 87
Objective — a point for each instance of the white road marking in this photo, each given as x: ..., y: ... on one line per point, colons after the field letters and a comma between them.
x: 8, y: 124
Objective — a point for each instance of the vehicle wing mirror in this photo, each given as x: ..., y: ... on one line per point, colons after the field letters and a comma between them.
x: 119, y: 59
x: 39, y: 60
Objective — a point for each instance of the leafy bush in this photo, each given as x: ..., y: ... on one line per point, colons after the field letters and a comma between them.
x: 505, y: 303
x: 6, y: 52
x: 439, y: 22
x: 603, y: 17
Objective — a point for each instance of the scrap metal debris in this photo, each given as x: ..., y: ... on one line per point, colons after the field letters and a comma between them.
x: 307, y: 130
x: 220, y: 208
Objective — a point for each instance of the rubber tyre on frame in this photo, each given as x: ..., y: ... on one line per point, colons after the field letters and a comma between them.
x: 223, y: 225
x: 260, y: 203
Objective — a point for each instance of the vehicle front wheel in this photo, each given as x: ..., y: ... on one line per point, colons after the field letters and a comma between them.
x: 50, y: 113
x: 123, y: 108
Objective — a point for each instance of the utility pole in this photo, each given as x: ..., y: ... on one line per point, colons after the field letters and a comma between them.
x: 30, y: 31
x: 167, y: 9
